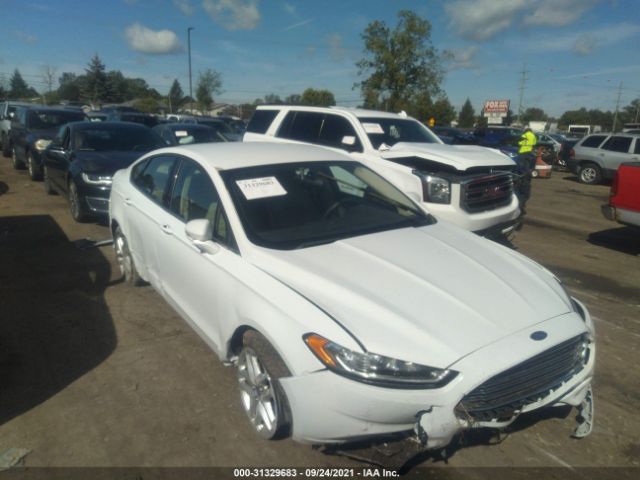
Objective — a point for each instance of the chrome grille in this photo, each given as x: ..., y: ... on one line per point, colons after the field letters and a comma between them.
x: 500, y: 396
x: 487, y: 193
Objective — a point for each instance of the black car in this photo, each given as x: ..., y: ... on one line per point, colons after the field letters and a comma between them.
x: 32, y: 129
x: 135, y: 117
x: 82, y: 158
x: 187, y: 133
x: 454, y: 136
x: 218, y: 125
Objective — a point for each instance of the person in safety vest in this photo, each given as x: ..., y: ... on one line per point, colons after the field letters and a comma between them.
x: 526, y: 162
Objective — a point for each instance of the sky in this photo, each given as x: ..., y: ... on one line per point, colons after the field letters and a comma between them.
x: 575, y: 53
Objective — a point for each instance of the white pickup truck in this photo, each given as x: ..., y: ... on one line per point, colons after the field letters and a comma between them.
x: 469, y: 186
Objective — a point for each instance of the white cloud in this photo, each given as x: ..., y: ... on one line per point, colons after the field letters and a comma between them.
x: 184, y: 6
x: 464, y: 59
x: 585, y: 42
x: 289, y: 8
x: 27, y: 38
x: 297, y: 24
x: 483, y: 19
x: 233, y: 14
x: 152, y: 42
x: 558, y: 13
x: 336, y: 50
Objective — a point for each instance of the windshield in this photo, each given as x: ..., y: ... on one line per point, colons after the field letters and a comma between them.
x: 393, y: 130
x: 298, y: 205
x: 100, y: 138
x: 43, y: 120
x: 187, y: 135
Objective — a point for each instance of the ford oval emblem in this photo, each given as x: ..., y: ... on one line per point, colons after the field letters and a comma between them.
x: 539, y: 335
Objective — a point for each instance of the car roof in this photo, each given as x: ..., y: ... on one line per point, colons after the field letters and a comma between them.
x: 231, y: 155
x: 106, y: 125
x: 189, y: 126
x: 357, y: 112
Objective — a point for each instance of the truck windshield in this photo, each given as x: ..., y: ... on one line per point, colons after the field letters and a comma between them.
x: 394, y: 130
x: 298, y: 205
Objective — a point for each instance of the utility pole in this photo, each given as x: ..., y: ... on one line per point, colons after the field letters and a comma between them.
x: 523, y: 81
x: 189, y: 46
x: 615, y: 117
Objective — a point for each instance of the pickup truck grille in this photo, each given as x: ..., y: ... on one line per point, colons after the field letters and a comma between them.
x: 487, y: 193
x: 500, y: 397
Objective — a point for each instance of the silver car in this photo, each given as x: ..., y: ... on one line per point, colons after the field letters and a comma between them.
x: 596, y: 157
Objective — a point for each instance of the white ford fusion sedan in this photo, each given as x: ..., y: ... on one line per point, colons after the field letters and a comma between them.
x: 349, y: 312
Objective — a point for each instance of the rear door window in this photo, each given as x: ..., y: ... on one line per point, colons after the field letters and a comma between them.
x: 155, y: 180
x: 593, y: 141
x: 618, y: 144
x: 304, y: 128
x: 334, y: 129
x: 261, y: 120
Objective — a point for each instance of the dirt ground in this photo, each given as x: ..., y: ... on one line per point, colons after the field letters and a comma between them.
x: 96, y: 373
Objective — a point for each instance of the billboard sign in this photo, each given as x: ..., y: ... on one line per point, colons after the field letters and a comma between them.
x: 496, y: 111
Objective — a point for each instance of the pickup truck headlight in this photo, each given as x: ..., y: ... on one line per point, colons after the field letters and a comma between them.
x: 376, y: 369
x: 42, y: 144
x: 93, y: 179
x: 435, y: 189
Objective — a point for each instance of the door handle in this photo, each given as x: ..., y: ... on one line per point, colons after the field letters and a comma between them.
x: 166, y: 229
x: 128, y: 201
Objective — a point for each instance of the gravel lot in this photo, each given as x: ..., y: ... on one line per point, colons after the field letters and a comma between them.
x: 94, y: 373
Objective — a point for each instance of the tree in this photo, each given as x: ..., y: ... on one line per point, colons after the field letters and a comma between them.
x: 442, y: 111
x: 18, y: 88
x: 467, y: 116
x: 147, y: 105
x: 317, y: 98
x: 533, y: 115
x: 293, y: 99
x: 69, y: 87
x: 273, y: 99
x: 176, y: 96
x: 95, y: 85
x: 209, y: 84
x: 402, y: 65
x: 48, y: 76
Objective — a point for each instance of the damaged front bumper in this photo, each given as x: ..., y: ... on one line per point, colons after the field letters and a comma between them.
x: 329, y: 409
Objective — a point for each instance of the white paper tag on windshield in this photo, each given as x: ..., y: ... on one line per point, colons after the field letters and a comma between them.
x: 373, y: 128
x: 181, y: 133
x: 261, y: 188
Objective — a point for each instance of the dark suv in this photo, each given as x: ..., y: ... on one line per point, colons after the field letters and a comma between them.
x: 32, y: 129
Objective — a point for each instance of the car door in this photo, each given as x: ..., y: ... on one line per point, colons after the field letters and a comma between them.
x: 57, y: 158
x: 614, y: 151
x: 199, y: 284
x: 19, y: 133
x: 145, y: 203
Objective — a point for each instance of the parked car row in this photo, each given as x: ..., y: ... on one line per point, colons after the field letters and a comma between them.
x: 77, y: 156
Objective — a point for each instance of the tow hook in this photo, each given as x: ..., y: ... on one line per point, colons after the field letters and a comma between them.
x: 585, y: 416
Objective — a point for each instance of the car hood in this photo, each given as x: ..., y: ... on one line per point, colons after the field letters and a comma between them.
x: 430, y: 295
x: 105, y: 163
x: 461, y: 157
x: 44, y: 134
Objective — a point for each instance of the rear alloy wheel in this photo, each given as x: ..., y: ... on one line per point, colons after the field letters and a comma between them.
x: 262, y: 397
x: 34, y: 171
x: 589, y: 173
x: 125, y: 259
x: 17, y: 164
x: 78, y: 210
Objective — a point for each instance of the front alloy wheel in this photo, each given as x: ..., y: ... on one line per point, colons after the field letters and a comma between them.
x: 262, y: 397
x: 125, y: 259
x: 78, y: 211
x: 34, y: 172
x: 590, y: 174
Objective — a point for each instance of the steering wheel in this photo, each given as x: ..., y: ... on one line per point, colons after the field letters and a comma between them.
x: 333, y: 208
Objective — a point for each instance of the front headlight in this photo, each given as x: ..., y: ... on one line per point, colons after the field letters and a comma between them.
x: 42, y: 144
x: 376, y: 369
x: 93, y: 179
x: 434, y: 189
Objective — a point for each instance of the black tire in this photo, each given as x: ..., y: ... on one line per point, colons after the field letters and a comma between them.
x: 17, y: 164
x: 256, y: 348
x: 125, y: 259
x: 47, y: 182
x: 34, y: 171
x: 76, y: 206
x: 589, y: 173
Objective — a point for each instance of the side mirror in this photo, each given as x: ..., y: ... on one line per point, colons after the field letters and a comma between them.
x: 199, y: 232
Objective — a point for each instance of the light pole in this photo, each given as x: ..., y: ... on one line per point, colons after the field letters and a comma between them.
x: 189, y: 47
